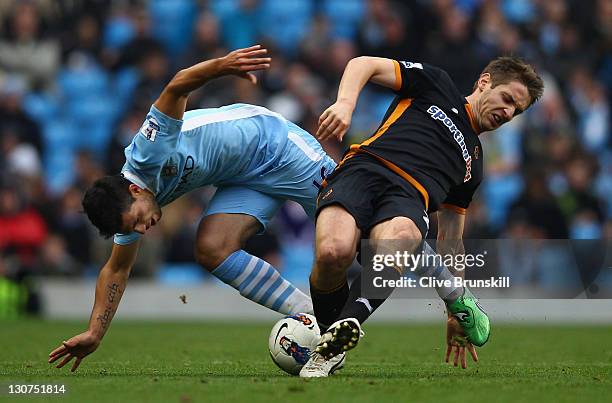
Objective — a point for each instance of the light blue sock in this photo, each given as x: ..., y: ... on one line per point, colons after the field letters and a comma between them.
x: 258, y: 281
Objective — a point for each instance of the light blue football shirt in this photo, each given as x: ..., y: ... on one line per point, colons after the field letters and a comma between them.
x: 231, y: 145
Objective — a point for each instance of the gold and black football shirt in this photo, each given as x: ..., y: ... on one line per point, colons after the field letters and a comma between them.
x: 429, y: 137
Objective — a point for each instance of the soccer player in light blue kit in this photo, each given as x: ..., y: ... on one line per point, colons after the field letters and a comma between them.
x: 255, y: 157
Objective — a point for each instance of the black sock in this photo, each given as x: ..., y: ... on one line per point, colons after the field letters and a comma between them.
x: 359, y: 307
x: 327, y: 305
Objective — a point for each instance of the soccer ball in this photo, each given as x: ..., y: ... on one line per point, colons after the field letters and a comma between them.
x: 291, y: 341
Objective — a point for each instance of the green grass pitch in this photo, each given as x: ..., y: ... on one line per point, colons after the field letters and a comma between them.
x: 192, y: 362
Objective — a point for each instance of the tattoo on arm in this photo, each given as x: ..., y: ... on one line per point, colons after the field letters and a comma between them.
x: 112, y: 292
x: 105, y: 318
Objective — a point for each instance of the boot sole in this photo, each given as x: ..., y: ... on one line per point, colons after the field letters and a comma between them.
x: 345, y: 336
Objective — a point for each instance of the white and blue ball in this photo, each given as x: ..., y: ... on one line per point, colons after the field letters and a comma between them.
x: 291, y: 341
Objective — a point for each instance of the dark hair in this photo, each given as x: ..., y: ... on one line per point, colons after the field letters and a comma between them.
x: 508, y: 68
x: 105, y: 201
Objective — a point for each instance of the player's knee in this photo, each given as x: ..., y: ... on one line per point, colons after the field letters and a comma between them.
x: 407, y: 234
x: 211, y: 251
x: 334, y: 256
x: 405, y: 229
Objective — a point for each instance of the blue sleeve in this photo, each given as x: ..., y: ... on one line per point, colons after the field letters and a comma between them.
x: 126, y: 239
x: 156, y: 139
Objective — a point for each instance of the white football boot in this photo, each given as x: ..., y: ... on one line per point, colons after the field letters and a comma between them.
x: 319, y: 367
x: 329, y: 355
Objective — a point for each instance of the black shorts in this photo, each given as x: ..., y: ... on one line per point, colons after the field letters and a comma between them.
x: 372, y: 193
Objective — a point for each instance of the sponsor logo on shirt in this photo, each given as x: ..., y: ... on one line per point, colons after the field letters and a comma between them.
x: 438, y: 114
x: 187, y: 171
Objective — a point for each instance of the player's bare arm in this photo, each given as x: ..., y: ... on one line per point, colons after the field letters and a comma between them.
x: 335, y: 120
x: 110, y: 286
x: 450, y: 241
x: 240, y: 62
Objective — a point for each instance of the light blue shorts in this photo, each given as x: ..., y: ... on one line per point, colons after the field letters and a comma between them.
x: 296, y: 176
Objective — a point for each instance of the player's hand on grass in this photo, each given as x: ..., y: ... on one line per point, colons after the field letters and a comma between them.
x: 335, y: 121
x: 77, y: 347
x: 456, y: 342
x: 241, y: 62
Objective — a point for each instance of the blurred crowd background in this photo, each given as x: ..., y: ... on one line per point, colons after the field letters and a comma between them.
x: 77, y: 78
